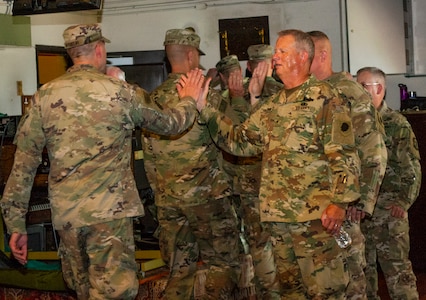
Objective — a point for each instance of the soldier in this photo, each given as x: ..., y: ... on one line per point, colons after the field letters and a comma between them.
x: 230, y: 91
x: 246, y: 173
x: 387, y: 231
x: 257, y: 54
x: 196, y: 218
x: 305, y: 134
x: 85, y: 119
x: 369, y: 133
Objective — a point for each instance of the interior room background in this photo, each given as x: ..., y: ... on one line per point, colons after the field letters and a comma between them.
x: 137, y: 30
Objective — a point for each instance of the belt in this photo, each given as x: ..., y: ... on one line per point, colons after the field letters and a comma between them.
x: 241, y: 160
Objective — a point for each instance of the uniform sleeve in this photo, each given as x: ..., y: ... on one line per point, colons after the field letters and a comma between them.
x: 149, y: 160
x: 29, y: 142
x: 244, y: 139
x: 407, y: 154
x: 165, y: 121
x: 369, y: 135
x: 336, y: 132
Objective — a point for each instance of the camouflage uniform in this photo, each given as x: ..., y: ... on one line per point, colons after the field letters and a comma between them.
x: 196, y: 218
x: 369, y: 133
x: 259, y: 53
x: 308, y: 152
x: 247, y: 171
x: 85, y: 119
x: 387, y: 237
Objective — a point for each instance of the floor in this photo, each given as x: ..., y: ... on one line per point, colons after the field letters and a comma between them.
x: 421, y: 285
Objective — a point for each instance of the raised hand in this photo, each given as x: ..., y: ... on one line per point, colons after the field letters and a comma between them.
x: 192, y: 85
x: 235, y: 84
x: 257, y: 81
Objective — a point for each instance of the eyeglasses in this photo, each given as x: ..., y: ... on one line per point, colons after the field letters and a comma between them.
x: 365, y: 84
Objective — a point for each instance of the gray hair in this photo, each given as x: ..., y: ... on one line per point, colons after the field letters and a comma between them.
x: 303, y: 41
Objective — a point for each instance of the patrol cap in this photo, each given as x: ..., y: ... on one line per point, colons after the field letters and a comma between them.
x: 186, y: 36
x: 228, y: 63
x: 260, y: 52
x: 79, y: 35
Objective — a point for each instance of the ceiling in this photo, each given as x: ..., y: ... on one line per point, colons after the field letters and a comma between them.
x: 132, y: 6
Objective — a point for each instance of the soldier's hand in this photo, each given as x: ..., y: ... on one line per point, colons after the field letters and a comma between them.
x: 354, y: 214
x: 397, y: 211
x: 257, y: 81
x: 18, y: 243
x: 191, y: 84
x: 332, y: 218
x: 235, y: 84
x: 116, y: 72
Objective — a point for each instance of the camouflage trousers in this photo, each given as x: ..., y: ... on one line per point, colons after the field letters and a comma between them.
x: 265, y: 278
x: 310, y: 264
x: 259, y: 244
x: 206, y: 234
x: 98, y: 261
x: 357, y: 288
x: 388, y: 243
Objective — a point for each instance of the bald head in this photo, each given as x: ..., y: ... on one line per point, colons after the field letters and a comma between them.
x: 182, y: 58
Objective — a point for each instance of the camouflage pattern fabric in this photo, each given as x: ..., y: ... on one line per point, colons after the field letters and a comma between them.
x: 387, y: 237
x: 207, y: 231
x: 260, y: 52
x: 196, y: 190
x: 270, y: 88
x: 308, y: 268
x: 246, y: 172
x: 186, y: 36
x: 357, y: 287
x: 369, y: 139
x: 100, y: 255
x: 308, y: 162
x: 85, y: 120
x: 308, y: 150
x: 196, y: 175
x: 79, y: 35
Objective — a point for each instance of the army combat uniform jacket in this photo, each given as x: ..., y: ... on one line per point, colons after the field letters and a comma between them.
x: 85, y: 120
x: 195, y: 176
x: 308, y: 148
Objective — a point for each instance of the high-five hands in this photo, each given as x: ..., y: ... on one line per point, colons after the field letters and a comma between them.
x: 194, y: 84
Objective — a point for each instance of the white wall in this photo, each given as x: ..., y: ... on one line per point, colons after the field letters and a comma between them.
x: 145, y: 31
x: 19, y: 63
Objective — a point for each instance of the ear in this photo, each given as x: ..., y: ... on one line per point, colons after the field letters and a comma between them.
x: 98, y: 50
x: 190, y: 56
x: 379, y: 88
x: 323, y: 55
x: 304, y: 55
